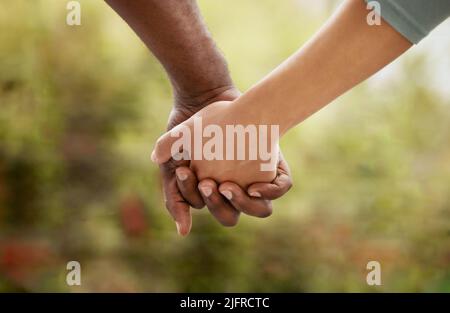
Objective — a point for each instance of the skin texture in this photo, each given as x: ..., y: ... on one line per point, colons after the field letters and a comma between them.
x: 175, y: 33
x: 343, y: 53
x: 242, y: 172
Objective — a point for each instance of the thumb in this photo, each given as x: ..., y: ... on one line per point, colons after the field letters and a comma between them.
x: 167, y: 146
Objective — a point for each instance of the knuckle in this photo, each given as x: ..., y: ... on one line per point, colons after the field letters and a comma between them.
x: 229, y: 221
x: 266, y: 212
x: 158, y: 143
x: 198, y: 205
x: 289, y: 184
x: 225, y: 217
x: 169, y: 205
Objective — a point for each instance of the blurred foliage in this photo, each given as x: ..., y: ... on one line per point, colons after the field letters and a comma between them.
x: 81, y: 106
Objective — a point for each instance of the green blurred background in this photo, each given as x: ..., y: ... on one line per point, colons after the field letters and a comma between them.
x: 81, y: 106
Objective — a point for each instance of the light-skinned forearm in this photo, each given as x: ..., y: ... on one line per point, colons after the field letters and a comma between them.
x: 343, y: 53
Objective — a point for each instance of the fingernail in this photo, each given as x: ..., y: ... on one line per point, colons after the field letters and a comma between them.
x: 255, y: 194
x: 178, y: 228
x: 153, y: 157
x: 206, y: 191
x: 182, y: 176
x: 227, y: 194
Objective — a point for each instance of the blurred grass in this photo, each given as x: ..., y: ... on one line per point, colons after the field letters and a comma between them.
x: 81, y: 107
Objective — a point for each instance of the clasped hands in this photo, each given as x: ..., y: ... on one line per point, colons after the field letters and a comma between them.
x: 226, y: 187
x: 304, y: 83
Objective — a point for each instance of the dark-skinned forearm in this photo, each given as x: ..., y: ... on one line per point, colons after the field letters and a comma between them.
x: 176, y: 34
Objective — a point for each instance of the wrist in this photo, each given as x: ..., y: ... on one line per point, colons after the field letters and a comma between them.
x: 204, y: 81
x: 258, y: 110
x: 195, y: 100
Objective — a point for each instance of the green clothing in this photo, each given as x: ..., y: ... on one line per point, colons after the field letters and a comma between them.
x: 414, y: 19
